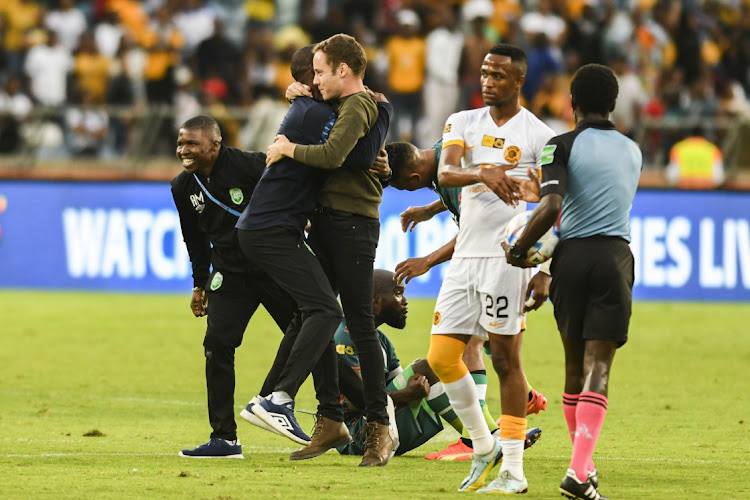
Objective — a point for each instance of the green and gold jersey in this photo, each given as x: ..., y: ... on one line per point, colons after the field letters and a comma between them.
x: 449, y: 196
x: 345, y: 347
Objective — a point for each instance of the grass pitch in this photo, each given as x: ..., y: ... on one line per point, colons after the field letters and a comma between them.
x: 98, y: 393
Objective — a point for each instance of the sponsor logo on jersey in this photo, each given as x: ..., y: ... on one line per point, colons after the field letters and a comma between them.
x: 447, y: 128
x: 436, y: 318
x: 198, y: 202
x: 216, y: 281
x: 345, y: 349
x: 548, y: 154
x: 512, y: 154
x: 236, y: 195
x: 493, y: 142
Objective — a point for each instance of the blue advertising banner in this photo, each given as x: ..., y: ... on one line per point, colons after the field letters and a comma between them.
x: 126, y: 237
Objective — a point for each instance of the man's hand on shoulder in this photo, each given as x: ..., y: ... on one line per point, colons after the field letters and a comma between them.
x: 377, y: 96
x: 381, y: 167
x: 279, y: 149
x: 297, y: 89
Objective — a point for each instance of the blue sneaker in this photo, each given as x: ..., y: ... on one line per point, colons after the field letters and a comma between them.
x: 251, y: 417
x: 506, y: 484
x: 481, y: 467
x: 281, y: 419
x: 215, y: 448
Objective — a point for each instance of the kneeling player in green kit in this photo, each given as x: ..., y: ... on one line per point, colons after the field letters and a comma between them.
x: 417, y: 393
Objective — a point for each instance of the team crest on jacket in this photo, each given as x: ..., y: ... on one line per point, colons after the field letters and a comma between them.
x: 236, y: 195
x: 512, y: 154
x: 217, y: 281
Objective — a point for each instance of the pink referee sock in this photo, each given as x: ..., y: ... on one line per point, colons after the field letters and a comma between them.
x: 570, y: 402
x: 589, y: 417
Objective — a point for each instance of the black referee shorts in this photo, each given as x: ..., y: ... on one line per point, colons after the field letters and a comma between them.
x: 592, y: 288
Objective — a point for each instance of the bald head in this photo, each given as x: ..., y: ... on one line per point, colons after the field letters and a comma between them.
x: 389, y: 303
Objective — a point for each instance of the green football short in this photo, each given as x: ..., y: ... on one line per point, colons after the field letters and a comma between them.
x: 415, y: 421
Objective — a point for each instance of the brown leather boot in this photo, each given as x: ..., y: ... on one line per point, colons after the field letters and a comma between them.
x: 327, y: 434
x: 379, y: 446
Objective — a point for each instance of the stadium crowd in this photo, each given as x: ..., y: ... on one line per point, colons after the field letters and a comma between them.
x: 98, y: 65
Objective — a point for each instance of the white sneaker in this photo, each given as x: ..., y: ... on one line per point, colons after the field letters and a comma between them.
x: 251, y: 417
x: 506, y: 484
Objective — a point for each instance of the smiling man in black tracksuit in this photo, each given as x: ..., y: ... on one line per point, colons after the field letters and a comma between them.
x: 216, y: 185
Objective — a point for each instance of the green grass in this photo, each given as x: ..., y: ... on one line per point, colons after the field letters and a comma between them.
x: 130, y: 368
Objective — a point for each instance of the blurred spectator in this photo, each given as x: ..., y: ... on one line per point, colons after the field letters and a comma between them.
x: 186, y: 98
x: 68, y: 22
x: 47, y: 65
x: 15, y: 106
x: 196, y: 23
x: 476, y: 45
x: 91, y: 68
x: 87, y: 126
x: 551, y: 103
x: 120, y: 95
x: 19, y: 15
x: 260, y: 69
x: 695, y: 163
x: 631, y: 97
x: 108, y: 34
x: 542, y: 60
x: 543, y: 20
x: 585, y: 34
x: 505, y: 17
x: 163, y: 43
x: 441, y: 92
x: 133, y: 17
x: 406, y: 61
x: 217, y: 56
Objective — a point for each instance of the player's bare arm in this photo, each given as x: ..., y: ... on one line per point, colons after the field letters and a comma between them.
x: 417, y: 266
x: 414, y: 215
x: 450, y: 174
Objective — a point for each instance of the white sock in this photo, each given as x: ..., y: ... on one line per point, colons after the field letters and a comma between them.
x: 512, y: 457
x: 234, y: 442
x: 481, y: 391
x: 463, y: 396
x: 280, y: 398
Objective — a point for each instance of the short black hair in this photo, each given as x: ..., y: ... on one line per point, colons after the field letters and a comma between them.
x: 594, y: 89
x: 301, y: 65
x: 516, y: 54
x: 401, y: 158
x: 204, y: 123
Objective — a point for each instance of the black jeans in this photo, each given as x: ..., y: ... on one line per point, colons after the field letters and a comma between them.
x: 345, y: 244
x: 230, y: 307
x: 283, y: 254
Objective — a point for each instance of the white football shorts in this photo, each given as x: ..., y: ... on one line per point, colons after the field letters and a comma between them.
x: 480, y: 295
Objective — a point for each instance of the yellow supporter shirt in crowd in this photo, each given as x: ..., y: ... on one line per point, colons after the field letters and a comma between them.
x: 19, y: 16
x: 406, y: 57
x: 92, y: 73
